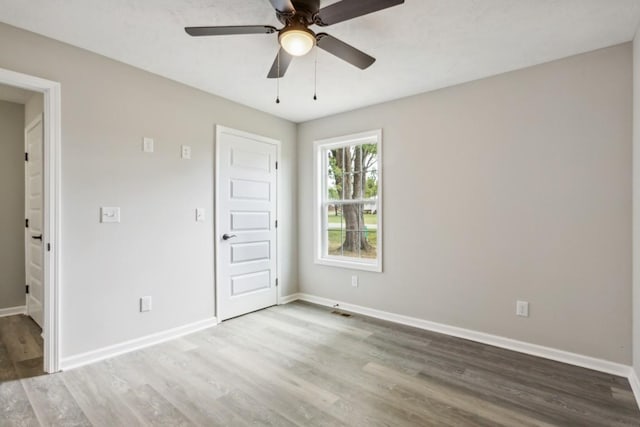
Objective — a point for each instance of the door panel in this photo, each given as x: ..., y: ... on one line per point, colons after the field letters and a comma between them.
x: 241, y: 221
x: 246, y: 212
x: 34, y: 200
x: 243, y: 283
x: 249, y: 190
x: 246, y: 252
x: 250, y: 160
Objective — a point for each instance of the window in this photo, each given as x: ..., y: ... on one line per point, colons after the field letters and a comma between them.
x: 348, y: 198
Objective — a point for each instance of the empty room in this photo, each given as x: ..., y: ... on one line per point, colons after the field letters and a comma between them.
x: 320, y: 213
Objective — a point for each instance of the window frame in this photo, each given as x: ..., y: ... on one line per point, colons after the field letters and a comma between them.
x: 321, y: 202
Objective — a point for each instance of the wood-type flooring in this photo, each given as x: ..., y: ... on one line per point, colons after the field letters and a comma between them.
x: 301, y: 365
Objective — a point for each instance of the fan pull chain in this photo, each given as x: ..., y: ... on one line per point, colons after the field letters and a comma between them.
x: 315, y: 77
x: 278, y: 81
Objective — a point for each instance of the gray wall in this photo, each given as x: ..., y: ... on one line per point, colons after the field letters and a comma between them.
x: 512, y: 187
x: 158, y: 249
x: 12, y: 279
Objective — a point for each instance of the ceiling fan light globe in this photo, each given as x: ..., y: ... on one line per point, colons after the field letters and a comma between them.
x: 297, y: 42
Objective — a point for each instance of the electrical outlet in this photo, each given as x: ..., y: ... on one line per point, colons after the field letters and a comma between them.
x: 145, y: 304
x: 522, y: 308
x: 354, y: 281
x: 185, y: 152
x: 147, y: 145
x: 109, y: 214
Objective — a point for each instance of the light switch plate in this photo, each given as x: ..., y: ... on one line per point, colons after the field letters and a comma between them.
x: 522, y: 308
x: 147, y: 145
x: 199, y: 214
x: 145, y: 304
x: 185, y: 152
x: 109, y: 214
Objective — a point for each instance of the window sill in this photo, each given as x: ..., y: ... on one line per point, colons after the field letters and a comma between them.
x: 352, y: 264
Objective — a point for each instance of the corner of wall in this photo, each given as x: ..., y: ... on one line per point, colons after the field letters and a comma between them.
x: 636, y: 215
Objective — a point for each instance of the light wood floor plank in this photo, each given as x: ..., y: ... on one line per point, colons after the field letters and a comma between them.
x: 290, y: 406
x: 52, y: 402
x: 101, y: 403
x: 16, y: 410
x: 150, y: 406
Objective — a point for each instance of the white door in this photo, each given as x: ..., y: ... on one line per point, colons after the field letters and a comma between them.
x: 246, y: 200
x: 34, y: 202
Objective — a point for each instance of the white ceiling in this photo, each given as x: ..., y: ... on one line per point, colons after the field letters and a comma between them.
x: 420, y: 46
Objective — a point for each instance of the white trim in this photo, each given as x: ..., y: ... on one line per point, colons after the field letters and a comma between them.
x: 52, y: 207
x: 348, y: 262
x: 216, y: 226
x: 481, y: 337
x: 289, y: 298
x: 320, y: 191
x: 355, y: 138
x: 635, y: 384
x: 93, y: 356
x: 12, y: 311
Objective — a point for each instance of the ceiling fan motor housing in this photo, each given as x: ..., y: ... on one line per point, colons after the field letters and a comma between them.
x: 305, y: 12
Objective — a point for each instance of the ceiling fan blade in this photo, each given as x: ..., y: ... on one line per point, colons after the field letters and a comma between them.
x: 285, y: 60
x: 230, y: 30
x: 349, y: 9
x: 283, y: 5
x: 344, y: 51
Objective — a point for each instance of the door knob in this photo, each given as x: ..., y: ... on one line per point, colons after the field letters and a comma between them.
x: 37, y: 237
x: 228, y: 236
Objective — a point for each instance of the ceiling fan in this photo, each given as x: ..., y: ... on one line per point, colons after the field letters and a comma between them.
x: 296, y: 39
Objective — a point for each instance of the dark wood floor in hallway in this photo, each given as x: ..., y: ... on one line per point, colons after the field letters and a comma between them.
x: 20, y: 348
x: 299, y: 364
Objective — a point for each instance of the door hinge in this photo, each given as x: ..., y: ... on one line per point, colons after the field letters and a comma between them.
x: 276, y: 282
x: 48, y: 247
x: 26, y: 289
x: 26, y: 223
x: 26, y: 157
x: 276, y: 165
x: 276, y: 223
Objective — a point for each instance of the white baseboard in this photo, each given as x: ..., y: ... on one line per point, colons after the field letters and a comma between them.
x: 289, y: 298
x: 635, y: 385
x: 82, y: 359
x: 494, y: 340
x: 12, y: 311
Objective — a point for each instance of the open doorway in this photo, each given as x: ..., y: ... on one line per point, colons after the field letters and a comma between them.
x: 21, y: 219
x: 29, y: 224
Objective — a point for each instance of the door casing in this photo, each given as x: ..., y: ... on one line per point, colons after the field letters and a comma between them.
x: 52, y: 207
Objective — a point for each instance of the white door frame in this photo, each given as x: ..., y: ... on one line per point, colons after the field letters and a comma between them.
x: 216, y: 226
x: 52, y: 207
